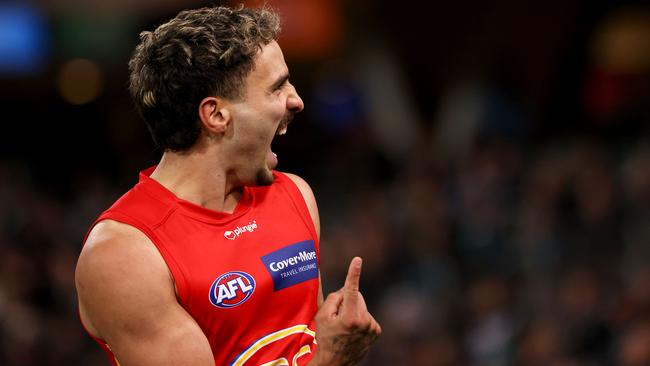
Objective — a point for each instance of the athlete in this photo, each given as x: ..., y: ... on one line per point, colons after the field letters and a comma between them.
x: 212, y: 257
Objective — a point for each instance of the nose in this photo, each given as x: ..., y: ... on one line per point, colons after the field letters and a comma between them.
x: 294, y: 102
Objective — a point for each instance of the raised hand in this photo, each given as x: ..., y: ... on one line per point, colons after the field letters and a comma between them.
x: 344, y: 327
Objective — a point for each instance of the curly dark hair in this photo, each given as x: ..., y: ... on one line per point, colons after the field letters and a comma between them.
x: 199, y: 53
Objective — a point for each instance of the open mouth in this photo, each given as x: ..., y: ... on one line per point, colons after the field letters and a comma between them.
x: 282, y: 129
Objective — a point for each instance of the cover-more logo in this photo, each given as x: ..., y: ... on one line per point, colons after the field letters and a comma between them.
x: 239, y: 230
x: 293, y: 264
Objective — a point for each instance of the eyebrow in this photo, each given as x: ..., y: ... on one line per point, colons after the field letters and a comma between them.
x: 281, y: 80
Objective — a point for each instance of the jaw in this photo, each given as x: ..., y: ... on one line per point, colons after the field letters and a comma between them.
x: 263, y: 176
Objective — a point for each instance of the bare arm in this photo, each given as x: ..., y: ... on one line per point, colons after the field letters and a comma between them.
x: 345, y: 329
x: 127, y: 298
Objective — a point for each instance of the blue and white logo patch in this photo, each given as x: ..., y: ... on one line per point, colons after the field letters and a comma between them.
x: 292, y: 264
x: 231, y: 289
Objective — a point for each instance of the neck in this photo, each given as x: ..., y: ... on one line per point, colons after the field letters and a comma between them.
x: 199, y: 178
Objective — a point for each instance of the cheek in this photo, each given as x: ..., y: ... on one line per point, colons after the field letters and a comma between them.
x: 258, y: 124
x: 254, y: 137
x: 278, y: 107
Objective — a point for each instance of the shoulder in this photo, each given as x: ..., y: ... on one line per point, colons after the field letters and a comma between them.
x: 127, y: 299
x: 118, y: 262
x: 302, y: 185
x: 308, y: 196
x: 304, y: 188
x: 111, y: 243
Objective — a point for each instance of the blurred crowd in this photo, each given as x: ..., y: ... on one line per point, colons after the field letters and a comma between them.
x: 498, y: 226
x: 512, y: 256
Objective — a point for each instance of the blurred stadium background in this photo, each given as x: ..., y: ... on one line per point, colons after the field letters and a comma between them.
x: 490, y: 160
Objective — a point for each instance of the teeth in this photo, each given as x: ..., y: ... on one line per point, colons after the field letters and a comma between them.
x: 281, y: 130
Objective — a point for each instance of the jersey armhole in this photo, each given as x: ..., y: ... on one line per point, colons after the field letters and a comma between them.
x: 301, y: 206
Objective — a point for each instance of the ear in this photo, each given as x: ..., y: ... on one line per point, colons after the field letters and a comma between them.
x: 214, y: 114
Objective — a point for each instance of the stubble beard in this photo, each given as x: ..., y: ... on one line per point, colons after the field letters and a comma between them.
x: 264, y: 177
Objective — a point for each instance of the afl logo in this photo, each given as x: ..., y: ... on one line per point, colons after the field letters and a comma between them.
x: 231, y: 289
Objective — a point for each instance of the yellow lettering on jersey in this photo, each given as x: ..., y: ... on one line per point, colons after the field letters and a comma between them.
x: 273, y: 337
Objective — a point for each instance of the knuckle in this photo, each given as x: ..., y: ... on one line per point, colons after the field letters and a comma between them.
x: 378, y: 330
x: 351, y: 291
x: 356, y: 323
x: 352, y: 323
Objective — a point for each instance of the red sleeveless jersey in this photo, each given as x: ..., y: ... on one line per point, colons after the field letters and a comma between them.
x: 249, y: 279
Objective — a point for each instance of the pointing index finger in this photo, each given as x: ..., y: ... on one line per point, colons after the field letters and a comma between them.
x: 354, y: 273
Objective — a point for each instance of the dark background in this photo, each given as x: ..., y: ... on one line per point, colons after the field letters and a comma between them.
x: 490, y: 160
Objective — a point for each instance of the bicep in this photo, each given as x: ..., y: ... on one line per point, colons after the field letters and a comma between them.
x: 174, y: 338
x: 127, y: 295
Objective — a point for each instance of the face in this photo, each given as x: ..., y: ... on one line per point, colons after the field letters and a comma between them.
x: 268, y: 106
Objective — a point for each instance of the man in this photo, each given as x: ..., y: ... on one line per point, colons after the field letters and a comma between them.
x: 212, y: 258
